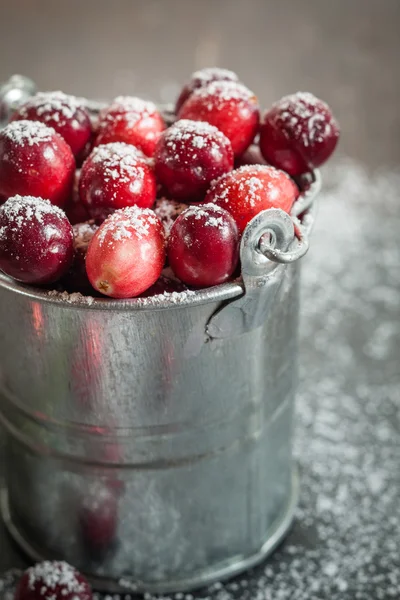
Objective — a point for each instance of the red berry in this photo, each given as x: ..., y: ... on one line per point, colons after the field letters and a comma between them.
x: 36, y: 240
x: 229, y: 106
x: 299, y: 133
x: 133, y: 121
x: 66, y: 114
x: 126, y: 254
x: 248, y: 190
x: 203, y: 247
x: 168, y: 211
x: 76, y: 280
x: 56, y: 580
x: 116, y: 176
x: 98, y: 518
x: 189, y: 155
x: 202, y: 78
x: 35, y: 161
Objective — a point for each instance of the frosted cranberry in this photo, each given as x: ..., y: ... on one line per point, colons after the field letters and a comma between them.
x: 189, y: 155
x: 133, y: 121
x: 201, y: 79
x: 229, y: 106
x: 75, y: 210
x: 248, y: 190
x: 168, y: 211
x: 203, y: 247
x: 65, y: 114
x: 164, y: 285
x: 35, y: 161
x: 116, y: 176
x: 299, y: 133
x: 53, y: 579
x: 76, y: 279
x: 98, y: 518
x: 36, y: 240
x: 127, y: 254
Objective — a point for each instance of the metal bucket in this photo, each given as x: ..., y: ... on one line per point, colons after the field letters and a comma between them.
x: 149, y: 440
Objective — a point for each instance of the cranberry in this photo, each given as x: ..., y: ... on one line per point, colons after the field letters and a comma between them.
x: 201, y: 79
x: 126, y: 254
x: 133, y: 121
x: 98, y: 518
x: 67, y: 115
x: 299, y: 133
x: 228, y: 105
x: 56, y: 580
x: 35, y: 161
x: 189, y: 155
x: 75, y: 210
x: 36, y: 240
x: 203, y: 247
x: 250, y: 189
x: 164, y: 285
x: 116, y: 176
x: 76, y: 280
x: 168, y: 211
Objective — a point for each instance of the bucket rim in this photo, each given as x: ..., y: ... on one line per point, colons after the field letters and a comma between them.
x: 165, y: 301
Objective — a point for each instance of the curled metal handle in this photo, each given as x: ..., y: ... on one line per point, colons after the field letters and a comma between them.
x: 299, y: 247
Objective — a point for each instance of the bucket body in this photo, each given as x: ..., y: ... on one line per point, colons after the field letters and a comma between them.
x: 136, y: 447
x: 150, y: 440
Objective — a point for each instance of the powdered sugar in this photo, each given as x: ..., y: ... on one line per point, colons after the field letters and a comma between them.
x: 120, y: 163
x: 54, y: 575
x: 305, y: 116
x: 210, y: 74
x: 20, y: 210
x: 130, y: 109
x: 83, y: 233
x: 211, y: 215
x: 126, y: 223
x: 53, y: 106
x: 218, y: 94
x: 28, y: 133
x: 185, y: 138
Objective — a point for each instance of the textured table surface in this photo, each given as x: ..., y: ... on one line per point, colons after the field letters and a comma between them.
x: 344, y: 544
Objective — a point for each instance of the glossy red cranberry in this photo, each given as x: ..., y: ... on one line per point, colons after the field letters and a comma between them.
x: 189, y: 155
x: 164, y: 285
x: 74, y: 208
x: 98, y: 518
x: 36, y: 240
x: 53, y: 579
x: 248, y: 190
x: 203, y: 247
x: 229, y: 106
x: 298, y: 134
x: 116, y: 176
x: 201, y: 79
x: 127, y: 253
x: 35, y: 161
x: 67, y: 115
x: 76, y: 279
x: 168, y: 211
x: 133, y: 121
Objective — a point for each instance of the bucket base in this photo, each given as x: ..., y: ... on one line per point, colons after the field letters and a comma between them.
x: 219, y: 572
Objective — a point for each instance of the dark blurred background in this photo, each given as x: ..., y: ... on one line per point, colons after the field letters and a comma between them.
x: 345, y: 51
x: 344, y: 545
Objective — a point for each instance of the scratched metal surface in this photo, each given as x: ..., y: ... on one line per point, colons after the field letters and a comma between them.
x: 344, y: 543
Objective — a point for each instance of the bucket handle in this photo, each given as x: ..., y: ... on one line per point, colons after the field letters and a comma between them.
x: 271, y: 241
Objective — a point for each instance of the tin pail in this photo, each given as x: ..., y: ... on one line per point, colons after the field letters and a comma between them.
x: 150, y: 440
